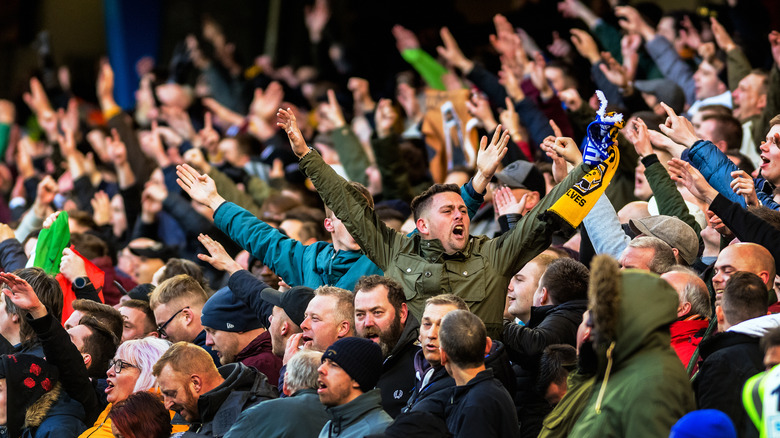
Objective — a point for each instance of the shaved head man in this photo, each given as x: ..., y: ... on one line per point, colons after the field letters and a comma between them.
x: 748, y: 257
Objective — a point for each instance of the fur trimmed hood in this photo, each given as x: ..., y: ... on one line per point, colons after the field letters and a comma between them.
x: 38, y: 411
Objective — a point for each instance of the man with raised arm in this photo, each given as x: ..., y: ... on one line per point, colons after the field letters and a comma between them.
x: 441, y: 257
x: 340, y: 263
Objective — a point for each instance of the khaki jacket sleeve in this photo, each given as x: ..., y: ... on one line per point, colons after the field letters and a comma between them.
x: 533, y: 233
x: 379, y: 242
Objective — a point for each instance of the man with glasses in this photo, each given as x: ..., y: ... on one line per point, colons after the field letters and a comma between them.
x: 177, y: 304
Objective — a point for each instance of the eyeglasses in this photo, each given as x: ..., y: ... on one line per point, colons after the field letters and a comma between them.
x: 161, y: 329
x: 119, y: 364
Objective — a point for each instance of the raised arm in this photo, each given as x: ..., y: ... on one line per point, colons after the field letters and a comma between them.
x: 56, y: 343
x: 347, y: 203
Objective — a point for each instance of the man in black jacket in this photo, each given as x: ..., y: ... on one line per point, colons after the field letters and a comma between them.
x: 208, y: 398
x: 734, y: 355
x: 479, y: 404
x: 381, y: 315
x: 558, y: 304
x: 433, y: 385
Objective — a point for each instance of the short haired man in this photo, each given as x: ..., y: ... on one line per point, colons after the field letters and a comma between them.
x: 750, y: 107
x: 329, y: 316
x: 17, y: 335
x: 558, y: 304
x: 209, y: 399
x: 236, y: 334
x: 138, y: 320
x: 109, y: 317
x: 734, y: 355
x: 480, y: 405
x: 177, y: 304
x: 554, y: 367
x: 381, y: 315
x: 520, y: 292
x: 693, y: 313
x: 441, y: 256
x: 770, y: 345
x: 299, y: 414
x: 648, y: 254
x: 349, y: 372
x: 723, y: 130
x: 432, y: 381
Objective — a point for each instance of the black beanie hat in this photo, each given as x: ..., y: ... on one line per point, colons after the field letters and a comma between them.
x: 27, y: 378
x: 358, y: 357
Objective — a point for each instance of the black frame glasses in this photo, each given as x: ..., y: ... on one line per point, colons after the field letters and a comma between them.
x: 118, y: 365
x: 161, y: 329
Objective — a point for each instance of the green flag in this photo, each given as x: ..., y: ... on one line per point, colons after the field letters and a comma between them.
x: 51, y: 242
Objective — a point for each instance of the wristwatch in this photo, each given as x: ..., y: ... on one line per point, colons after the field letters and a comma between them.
x: 80, y: 282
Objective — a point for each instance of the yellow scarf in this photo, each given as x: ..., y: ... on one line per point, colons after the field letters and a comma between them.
x: 576, y: 203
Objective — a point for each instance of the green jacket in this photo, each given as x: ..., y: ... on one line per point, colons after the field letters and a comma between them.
x: 479, y: 274
x: 560, y: 421
x: 646, y: 390
x: 669, y: 200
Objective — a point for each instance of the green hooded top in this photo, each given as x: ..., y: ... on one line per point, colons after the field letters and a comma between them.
x: 643, y: 390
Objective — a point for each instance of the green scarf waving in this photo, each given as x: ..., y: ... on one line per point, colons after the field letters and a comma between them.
x: 51, y: 242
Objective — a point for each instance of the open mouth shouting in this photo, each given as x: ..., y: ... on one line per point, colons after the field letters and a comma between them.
x: 458, y: 230
x: 321, y: 386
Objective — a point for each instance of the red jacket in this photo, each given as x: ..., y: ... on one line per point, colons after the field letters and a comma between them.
x: 258, y: 354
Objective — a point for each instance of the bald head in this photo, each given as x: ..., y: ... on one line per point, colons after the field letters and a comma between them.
x: 633, y: 210
x: 746, y: 257
x: 692, y: 291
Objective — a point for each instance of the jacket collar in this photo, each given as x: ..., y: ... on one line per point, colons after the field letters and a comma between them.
x: 345, y: 415
x: 260, y: 344
x: 408, y: 337
x: 461, y: 391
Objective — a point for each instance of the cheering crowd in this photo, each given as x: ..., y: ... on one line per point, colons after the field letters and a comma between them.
x: 509, y: 239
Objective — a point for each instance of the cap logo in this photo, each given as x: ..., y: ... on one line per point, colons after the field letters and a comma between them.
x: 397, y: 394
x: 229, y: 325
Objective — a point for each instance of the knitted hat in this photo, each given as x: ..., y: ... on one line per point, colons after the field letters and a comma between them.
x: 223, y: 311
x: 671, y: 230
x: 360, y: 358
x: 522, y: 175
x: 27, y: 379
x: 293, y: 302
x: 709, y: 423
x: 141, y: 292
